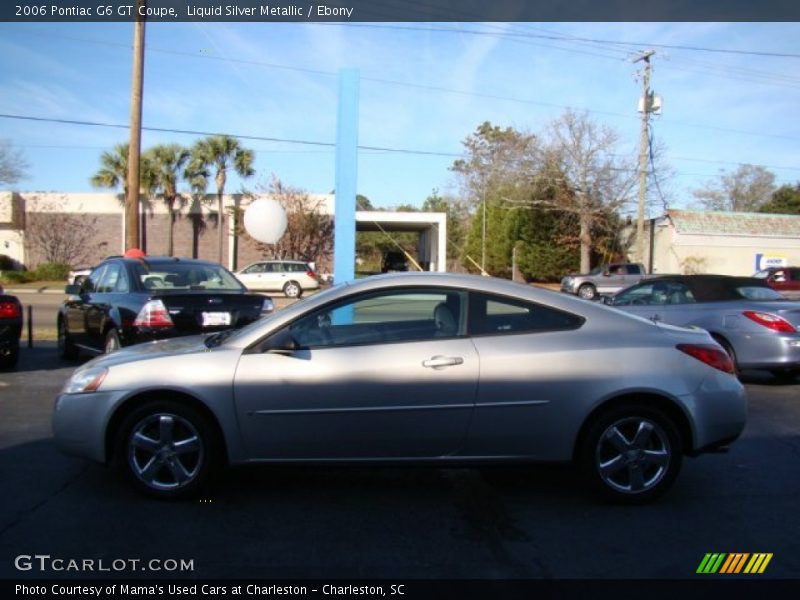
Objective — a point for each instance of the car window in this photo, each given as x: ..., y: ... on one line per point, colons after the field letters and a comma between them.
x: 295, y: 267
x: 493, y: 315
x: 633, y: 269
x: 384, y: 317
x: 90, y: 284
x: 272, y: 268
x: 256, y: 268
x: 110, y: 279
x: 761, y: 274
x: 181, y: 276
x: 657, y: 293
x: 758, y: 293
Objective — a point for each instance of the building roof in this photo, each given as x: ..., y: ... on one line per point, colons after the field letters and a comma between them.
x: 734, y: 223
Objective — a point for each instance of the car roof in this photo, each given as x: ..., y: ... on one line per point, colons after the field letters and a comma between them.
x: 155, y: 261
x: 709, y: 288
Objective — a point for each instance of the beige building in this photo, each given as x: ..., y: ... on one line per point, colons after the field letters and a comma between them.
x: 195, y: 230
x: 727, y: 243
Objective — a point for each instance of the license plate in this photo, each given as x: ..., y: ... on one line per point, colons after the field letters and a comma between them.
x: 216, y: 319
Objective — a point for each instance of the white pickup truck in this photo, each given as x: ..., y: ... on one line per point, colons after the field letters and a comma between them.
x: 605, y: 279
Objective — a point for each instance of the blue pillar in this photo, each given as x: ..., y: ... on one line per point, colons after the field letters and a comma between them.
x: 344, y: 241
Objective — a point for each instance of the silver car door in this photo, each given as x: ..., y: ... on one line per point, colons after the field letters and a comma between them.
x: 361, y: 385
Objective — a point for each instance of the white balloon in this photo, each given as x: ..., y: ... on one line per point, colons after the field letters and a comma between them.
x: 265, y: 220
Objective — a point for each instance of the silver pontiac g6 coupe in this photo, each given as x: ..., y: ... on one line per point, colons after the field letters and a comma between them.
x: 415, y: 368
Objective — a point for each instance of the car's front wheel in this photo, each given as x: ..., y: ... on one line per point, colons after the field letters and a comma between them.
x: 168, y: 449
x: 66, y: 348
x: 587, y: 291
x: 632, y: 454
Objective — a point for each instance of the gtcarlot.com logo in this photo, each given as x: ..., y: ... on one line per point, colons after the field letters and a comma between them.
x: 45, y: 563
x: 734, y: 563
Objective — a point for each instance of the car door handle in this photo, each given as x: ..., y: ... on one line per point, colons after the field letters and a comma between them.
x: 439, y: 362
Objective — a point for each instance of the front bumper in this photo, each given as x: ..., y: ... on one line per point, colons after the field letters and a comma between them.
x: 80, y: 422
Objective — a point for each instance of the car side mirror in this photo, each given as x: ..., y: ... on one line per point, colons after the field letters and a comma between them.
x: 282, y: 342
x: 73, y: 289
x: 607, y: 300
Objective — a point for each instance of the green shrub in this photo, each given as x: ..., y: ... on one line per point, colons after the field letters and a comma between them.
x: 52, y: 271
x: 18, y: 277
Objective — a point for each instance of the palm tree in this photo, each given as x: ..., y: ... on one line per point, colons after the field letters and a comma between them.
x: 219, y: 153
x: 114, y: 172
x: 197, y: 176
x: 167, y: 161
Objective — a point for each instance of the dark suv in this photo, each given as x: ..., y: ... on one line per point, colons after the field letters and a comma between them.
x: 394, y: 261
x: 125, y: 301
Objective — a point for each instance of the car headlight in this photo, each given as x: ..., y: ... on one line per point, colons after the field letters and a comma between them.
x: 85, y: 381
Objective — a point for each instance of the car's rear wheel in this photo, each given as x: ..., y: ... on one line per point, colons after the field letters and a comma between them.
x: 292, y: 290
x: 168, y: 450
x: 587, y: 291
x: 112, y: 341
x: 9, y: 355
x: 632, y: 454
x: 66, y: 348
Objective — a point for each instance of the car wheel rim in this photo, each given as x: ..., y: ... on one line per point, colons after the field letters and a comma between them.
x: 111, y: 345
x: 291, y: 290
x: 633, y: 455
x: 165, y: 452
x: 586, y: 293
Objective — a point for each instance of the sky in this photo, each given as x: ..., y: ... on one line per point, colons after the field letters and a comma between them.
x: 424, y: 88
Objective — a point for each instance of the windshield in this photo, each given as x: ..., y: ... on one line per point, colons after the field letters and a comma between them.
x: 187, y: 276
x: 233, y: 335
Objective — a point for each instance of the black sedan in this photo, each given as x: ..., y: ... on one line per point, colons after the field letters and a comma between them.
x: 10, y: 329
x: 126, y: 301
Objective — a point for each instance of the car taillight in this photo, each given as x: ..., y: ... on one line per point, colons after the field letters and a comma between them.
x: 713, y: 356
x: 769, y: 321
x: 311, y: 274
x: 9, y: 310
x: 153, y: 314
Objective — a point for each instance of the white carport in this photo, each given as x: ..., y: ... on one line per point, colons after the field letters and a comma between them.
x: 432, y: 227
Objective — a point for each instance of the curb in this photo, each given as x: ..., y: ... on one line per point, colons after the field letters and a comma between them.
x: 16, y: 291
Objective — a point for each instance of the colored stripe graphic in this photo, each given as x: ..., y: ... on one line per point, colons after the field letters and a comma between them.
x: 758, y: 563
x: 711, y: 563
x: 733, y: 563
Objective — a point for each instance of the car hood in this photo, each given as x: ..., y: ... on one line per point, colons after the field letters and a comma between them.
x: 150, y: 350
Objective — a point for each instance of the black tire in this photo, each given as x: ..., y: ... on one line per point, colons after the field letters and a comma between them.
x: 112, y: 342
x: 631, y: 454
x: 292, y: 289
x: 9, y: 355
x: 67, y: 350
x: 587, y: 291
x: 168, y: 450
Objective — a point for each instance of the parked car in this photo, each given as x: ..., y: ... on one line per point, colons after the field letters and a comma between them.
x: 292, y: 277
x: 412, y: 368
x: 606, y: 279
x: 126, y: 301
x: 784, y: 279
x: 10, y: 329
x: 394, y: 261
x: 754, y: 323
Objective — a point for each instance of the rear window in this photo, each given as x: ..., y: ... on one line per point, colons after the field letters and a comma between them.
x: 758, y: 293
x: 296, y: 267
x: 186, y: 276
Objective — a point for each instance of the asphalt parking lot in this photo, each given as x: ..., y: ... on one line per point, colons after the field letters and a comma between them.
x: 521, y: 522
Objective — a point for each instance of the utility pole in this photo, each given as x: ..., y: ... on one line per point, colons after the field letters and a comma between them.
x: 135, y: 143
x: 643, y: 152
